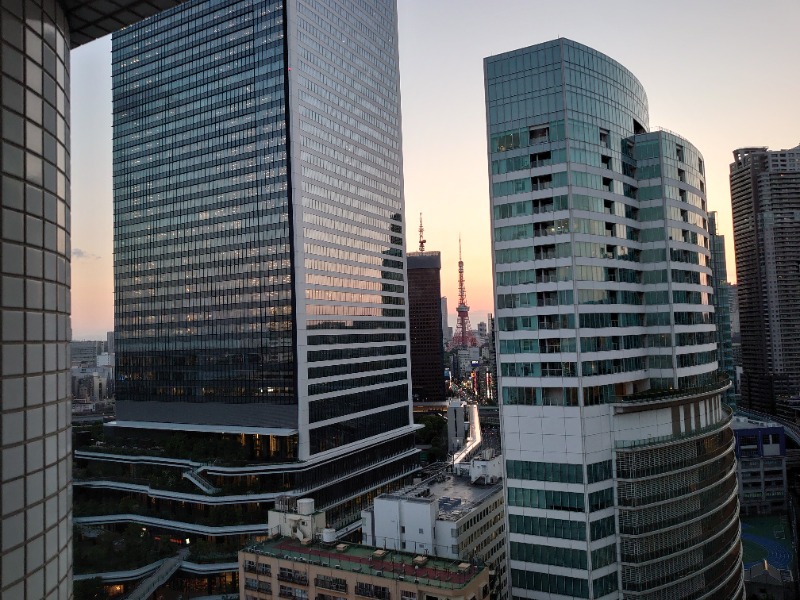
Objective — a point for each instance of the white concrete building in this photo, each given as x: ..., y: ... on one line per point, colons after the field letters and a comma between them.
x: 444, y: 516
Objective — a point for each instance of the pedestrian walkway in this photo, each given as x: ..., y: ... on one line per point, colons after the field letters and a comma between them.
x: 146, y: 587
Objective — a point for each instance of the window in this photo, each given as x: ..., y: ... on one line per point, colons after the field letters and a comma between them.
x: 606, y: 160
x: 540, y: 135
x: 681, y: 175
x: 605, y: 138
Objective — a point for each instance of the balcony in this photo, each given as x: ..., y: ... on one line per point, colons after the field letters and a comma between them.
x: 294, y: 577
x: 336, y: 586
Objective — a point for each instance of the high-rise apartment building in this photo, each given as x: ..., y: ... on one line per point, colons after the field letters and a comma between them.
x: 765, y: 197
x: 619, y: 459
x: 425, y: 323
x: 722, y: 302
x: 261, y: 299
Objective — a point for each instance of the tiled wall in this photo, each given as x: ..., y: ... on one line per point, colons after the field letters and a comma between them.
x: 34, y: 291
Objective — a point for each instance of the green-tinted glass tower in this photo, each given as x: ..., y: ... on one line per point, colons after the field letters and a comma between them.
x: 619, y: 463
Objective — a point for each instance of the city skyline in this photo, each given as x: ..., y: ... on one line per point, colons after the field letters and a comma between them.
x: 454, y: 168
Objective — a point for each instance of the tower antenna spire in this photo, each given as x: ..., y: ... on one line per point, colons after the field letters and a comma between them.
x: 464, y: 336
x: 422, y: 240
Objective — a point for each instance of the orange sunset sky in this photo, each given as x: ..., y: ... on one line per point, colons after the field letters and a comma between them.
x: 723, y: 74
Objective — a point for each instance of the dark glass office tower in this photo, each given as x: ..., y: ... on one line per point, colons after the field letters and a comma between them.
x: 261, y: 300
x: 425, y: 321
x: 258, y: 221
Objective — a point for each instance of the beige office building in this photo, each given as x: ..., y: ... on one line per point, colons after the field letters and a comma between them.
x: 288, y: 568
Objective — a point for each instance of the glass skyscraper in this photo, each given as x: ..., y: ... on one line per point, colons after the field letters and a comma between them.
x: 619, y: 457
x: 260, y: 292
x: 259, y: 263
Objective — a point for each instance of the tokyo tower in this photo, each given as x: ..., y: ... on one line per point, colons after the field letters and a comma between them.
x: 463, y: 337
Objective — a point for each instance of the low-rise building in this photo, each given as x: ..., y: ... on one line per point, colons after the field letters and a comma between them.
x: 762, y: 580
x: 761, y: 466
x: 446, y: 516
x: 286, y: 567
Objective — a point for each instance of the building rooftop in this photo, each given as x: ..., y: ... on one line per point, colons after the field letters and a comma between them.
x: 390, y: 564
x: 456, y: 495
x: 740, y: 422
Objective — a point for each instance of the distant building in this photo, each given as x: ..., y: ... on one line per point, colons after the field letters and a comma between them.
x: 447, y: 331
x: 83, y: 353
x: 425, y: 324
x: 110, y: 342
x: 286, y: 567
x: 445, y: 516
x: 763, y: 581
x: 722, y: 303
x: 482, y: 330
x: 765, y: 198
x: 491, y: 360
x: 91, y: 383
x: 761, y: 466
x: 733, y: 296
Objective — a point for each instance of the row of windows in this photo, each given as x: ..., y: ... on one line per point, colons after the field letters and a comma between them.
x: 357, y: 324
x: 337, y: 296
x: 528, y: 253
x: 595, y: 296
x: 546, y: 499
x: 535, y: 369
x: 348, y: 384
x: 694, y: 359
x: 348, y: 255
x: 345, y: 354
x: 608, y: 367
x: 531, y: 207
x: 602, y: 528
x: 521, y: 138
x: 545, y: 346
x: 341, y: 214
x: 599, y: 471
x: 348, y: 282
x: 355, y: 338
x: 351, y: 311
x: 550, y: 275
x: 535, y: 396
x: 529, y: 184
x: 349, y: 368
x: 552, y: 584
x: 541, y: 526
x: 556, y: 298
x: 347, y: 432
x: 544, y: 471
x: 549, y: 555
x: 532, y: 323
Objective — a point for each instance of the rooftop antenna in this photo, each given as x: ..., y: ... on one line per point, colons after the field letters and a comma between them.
x: 422, y: 240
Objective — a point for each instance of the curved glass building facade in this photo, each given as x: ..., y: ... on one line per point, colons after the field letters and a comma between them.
x: 619, y: 460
